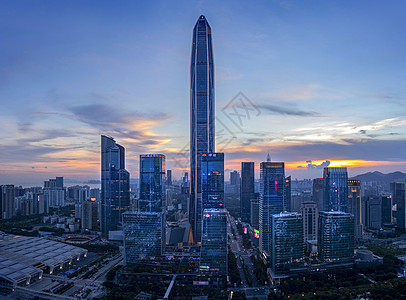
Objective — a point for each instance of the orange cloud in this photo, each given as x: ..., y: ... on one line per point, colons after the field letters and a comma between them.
x: 345, y: 163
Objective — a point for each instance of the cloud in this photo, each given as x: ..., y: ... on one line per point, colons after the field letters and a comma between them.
x: 103, y: 116
x: 339, y: 132
x: 291, y: 151
x: 297, y: 92
x: 287, y: 111
x: 310, y: 165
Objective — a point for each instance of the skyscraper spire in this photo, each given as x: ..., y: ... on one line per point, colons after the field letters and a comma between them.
x: 202, y: 115
x: 268, y: 157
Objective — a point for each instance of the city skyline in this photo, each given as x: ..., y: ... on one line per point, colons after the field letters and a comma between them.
x: 322, y: 99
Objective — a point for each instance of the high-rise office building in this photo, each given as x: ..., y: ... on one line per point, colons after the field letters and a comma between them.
x: 115, y: 185
x: 254, y: 219
x: 310, y: 215
x: 387, y: 217
x: 374, y: 212
x: 202, y: 113
x: 335, y: 189
x: 152, y: 179
x: 287, y: 248
x: 355, y: 206
x: 335, y: 235
x: 168, y: 177
x: 271, y: 199
x: 234, y: 178
x: 399, y: 198
x: 143, y: 237
x: 212, y: 181
x: 247, y: 190
x: 318, y: 193
x: 213, y: 254
x: 287, y: 198
x: 90, y: 214
x: 212, y: 188
x: 7, y: 198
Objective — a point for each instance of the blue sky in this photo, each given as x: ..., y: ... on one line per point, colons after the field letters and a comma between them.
x: 325, y: 80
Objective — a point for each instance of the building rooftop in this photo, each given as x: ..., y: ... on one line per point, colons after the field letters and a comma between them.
x: 47, y: 252
x: 335, y: 212
x: 17, y: 272
x: 22, y: 258
x: 286, y: 214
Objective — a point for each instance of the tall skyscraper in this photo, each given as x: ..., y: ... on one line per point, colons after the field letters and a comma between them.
x: 387, y: 217
x: 152, y: 179
x: 374, y: 212
x: 7, y: 198
x: 318, y: 193
x: 212, y: 180
x: 335, y: 189
x: 399, y: 198
x: 212, y: 188
x: 247, y: 190
x: 287, y: 248
x: 213, y: 254
x: 90, y: 214
x: 355, y: 206
x: 335, y: 235
x: 310, y: 215
x: 115, y: 184
x: 168, y: 177
x: 287, y: 198
x: 254, y: 218
x: 271, y: 199
x: 234, y: 178
x: 202, y: 113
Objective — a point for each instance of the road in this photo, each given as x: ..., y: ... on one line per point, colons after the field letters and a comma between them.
x: 257, y: 290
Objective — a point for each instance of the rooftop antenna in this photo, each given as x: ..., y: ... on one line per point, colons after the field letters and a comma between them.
x: 268, y: 157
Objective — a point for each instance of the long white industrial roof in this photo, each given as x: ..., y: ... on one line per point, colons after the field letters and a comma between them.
x: 47, y: 252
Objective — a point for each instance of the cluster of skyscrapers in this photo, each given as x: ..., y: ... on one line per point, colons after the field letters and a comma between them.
x: 326, y: 225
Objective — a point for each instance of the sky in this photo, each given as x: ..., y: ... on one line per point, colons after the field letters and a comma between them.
x: 312, y: 83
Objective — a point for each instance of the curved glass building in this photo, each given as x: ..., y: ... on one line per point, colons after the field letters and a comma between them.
x: 115, y: 185
x: 202, y: 115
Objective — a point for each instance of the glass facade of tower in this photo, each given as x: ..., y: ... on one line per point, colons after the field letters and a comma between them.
x: 355, y: 206
x: 271, y: 199
x: 247, y: 190
x: 336, y: 235
x: 374, y: 212
x: 387, y: 217
x: 115, y: 184
x: 335, y: 189
x: 318, y: 193
x: 212, y: 180
x: 143, y: 237
x: 399, y: 198
x: 287, y: 247
x: 202, y: 114
x: 213, y: 253
x: 152, y: 179
x: 287, y: 198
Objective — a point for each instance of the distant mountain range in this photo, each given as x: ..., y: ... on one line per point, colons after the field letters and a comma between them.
x: 380, y: 177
